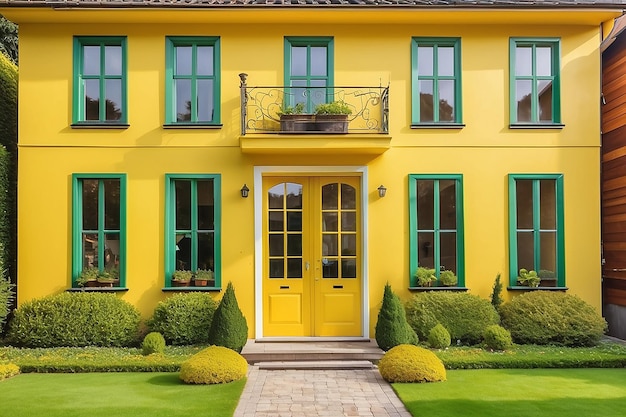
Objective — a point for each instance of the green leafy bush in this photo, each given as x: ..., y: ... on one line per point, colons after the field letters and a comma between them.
x: 6, y: 291
x: 438, y: 337
x: 75, y: 319
x: 408, y: 363
x: 154, y: 342
x: 229, y: 327
x: 496, y: 293
x: 546, y: 317
x: 464, y: 315
x: 8, y: 370
x: 497, y: 338
x: 392, y: 329
x: 214, y: 365
x: 184, y: 319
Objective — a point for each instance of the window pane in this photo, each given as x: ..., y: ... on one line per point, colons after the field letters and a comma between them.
x: 330, y: 268
x: 548, y: 251
x: 446, y: 100
x: 91, y: 60
x: 90, y: 250
x: 547, y: 196
x: 294, y: 221
x: 276, y: 221
x: 294, y: 196
x: 298, y: 60
x: 92, y: 99
x: 523, y: 97
x: 206, y: 205
x: 544, y: 90
x: 113, y: 60
x: 330, y: 197
x: 112, y: 251
x: 90, y: 204
x: 294, y: 245
x: 448, y: 254
x: 425, y: 205
x: 206, y: 251
x: 425, y: 248
x: 183, y: 100
x: 544, y: 60
x: 330, y: 222
x: 183, y: 205
x: 348, y: 245
x: 525, y: 251
x: 205, y: 100
x: 183, y: 251
x: 348, y: 268
x: 275, y: 196
x: 524, y: 196
x: 112, y: 204
x: 113, y: 99
x: 425, y: 60
x: 277, y: 268
x: 523, y: 60
x: 348, y: 221
x: 294, y: 268
x: 427, y: 102
x: 348, y: 197
x: 329, y: 245
x: 205, y: 60
x: 447, y: 204
x: 318, y: 61
x: 277, y: 245
x: 183, y: 60
x: 445, y: 60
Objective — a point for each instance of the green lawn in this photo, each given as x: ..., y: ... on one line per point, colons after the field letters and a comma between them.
x: 519, y: 393
x: 115, y: 395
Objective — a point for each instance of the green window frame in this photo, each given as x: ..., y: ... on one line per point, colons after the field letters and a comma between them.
x: 100, y: 70
x: 436, y: 78
x: 435, y: 239
x: 536, y: 228
x: 309, y: 71
x: 193, y: 226
x: 99, y: 215
x: 535, y: 82
x: 192, y: 81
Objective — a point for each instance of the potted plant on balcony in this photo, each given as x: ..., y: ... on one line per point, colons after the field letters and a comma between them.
x: 293, y: 119
x: 181, y: 278
x: 425, y: 276
x: 203, y: 277
x: 332, y: 117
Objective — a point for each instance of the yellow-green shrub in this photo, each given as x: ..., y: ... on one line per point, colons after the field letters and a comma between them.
x: 408, y: 363
x: 214, y: 365
x: 8, y: 370
x: 439, y: 337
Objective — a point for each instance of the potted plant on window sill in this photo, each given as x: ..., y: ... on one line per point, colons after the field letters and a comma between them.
x: 425, y: 276
x: 181, y: 278
x: 88, y: 277
x: 203, y: 278
x: 332, y: 117
x: 108, y: 277
x: 293, y: 119
x: 528, y: 278
x: 448, y: 279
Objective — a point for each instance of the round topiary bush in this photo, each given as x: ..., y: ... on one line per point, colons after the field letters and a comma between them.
x: 184, y: 319
x: 75, y: 319
x: 214, y: 365
x: 154, y: 342
x: 547, y: 317
x: 464, y: 315
x: 438, y: 337
x: 497, y: 338
x: 409, y: 363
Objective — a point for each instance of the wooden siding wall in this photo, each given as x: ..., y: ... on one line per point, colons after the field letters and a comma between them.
x: 614, y: 173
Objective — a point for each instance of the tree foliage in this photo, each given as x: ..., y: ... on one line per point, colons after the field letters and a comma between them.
x: 8, y: 39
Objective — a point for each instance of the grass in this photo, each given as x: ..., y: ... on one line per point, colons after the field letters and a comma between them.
x: 154, y: 394
x: 519, y: 392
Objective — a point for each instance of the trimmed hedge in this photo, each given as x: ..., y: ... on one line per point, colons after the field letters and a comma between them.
x: 8, y: 370
x: 75, y: 320
x: 184, y: 319
x: 214, y: 365
x: 464, y: 315
x: 408, y: 363
x: 552, y: 318
x: 497, y: 338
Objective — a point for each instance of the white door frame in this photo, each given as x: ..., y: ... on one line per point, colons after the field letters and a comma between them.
x: 259, y: 171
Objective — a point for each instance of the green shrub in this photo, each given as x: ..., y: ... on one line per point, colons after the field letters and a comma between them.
x: 408, y: 363
x: 214, y: 365
x: 75, y: 319
x: 184, y: 319
x: 229, y: 327
x: 497, y: 338
x: 6, y: 291
x: 546, y: 317
x: 8, y: 370
x: 496, y: 294
x: 154, y: 342
x: 438, y: 337
x: 464, y: 315
x: 392, y: 329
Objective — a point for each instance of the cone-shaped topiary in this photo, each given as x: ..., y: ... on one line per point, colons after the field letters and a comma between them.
x: 229, y: 327
x: 392, y: 329
x: 213, y: 365
x: 408, y: 363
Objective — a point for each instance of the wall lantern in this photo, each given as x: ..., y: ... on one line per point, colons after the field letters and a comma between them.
x: 382, y: 191
x: 244, y: 191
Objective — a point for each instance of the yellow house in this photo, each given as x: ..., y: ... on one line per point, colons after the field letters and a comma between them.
x: 156, y: 136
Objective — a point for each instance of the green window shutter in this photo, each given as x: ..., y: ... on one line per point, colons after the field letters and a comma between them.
x: 436, y: 225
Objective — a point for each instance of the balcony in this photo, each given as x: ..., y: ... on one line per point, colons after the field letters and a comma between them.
x: 265, y: 129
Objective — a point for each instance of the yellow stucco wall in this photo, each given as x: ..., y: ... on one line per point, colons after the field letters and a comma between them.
x: 484, y: 151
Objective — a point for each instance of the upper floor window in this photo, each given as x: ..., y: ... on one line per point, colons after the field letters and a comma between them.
x: 193, y: 226
x: 100, y: 81
x: 436, y: 226
x: 192, y: 77
x: 536, y: 241
x: 309, y: 71
x: 99, y: 228
x: 535, y: 82
x: 436, y: 81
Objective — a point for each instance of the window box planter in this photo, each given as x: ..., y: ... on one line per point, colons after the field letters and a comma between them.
x: 335, y: 123
x: 297, y: 122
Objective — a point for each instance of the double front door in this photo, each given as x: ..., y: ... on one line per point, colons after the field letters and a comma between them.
x: 311, y: 256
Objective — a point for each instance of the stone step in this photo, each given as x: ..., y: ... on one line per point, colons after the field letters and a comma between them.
x: 278, y: 365
x: 303, y: 351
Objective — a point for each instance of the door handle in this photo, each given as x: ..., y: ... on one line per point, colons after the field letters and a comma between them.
x: 306, y: 266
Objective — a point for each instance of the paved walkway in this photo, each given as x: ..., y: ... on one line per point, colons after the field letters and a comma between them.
x: 312, y: 393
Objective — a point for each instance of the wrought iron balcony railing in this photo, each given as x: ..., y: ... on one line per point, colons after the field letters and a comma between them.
x: 262, y: 107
